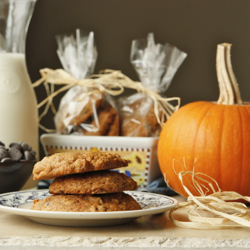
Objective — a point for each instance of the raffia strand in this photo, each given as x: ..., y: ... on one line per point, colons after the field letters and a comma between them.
x: 218, y: 210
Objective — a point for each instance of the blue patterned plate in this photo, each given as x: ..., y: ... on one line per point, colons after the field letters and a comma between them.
x: 20, y: 203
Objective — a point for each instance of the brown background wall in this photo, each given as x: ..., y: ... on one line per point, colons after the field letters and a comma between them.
x: 194, y: 26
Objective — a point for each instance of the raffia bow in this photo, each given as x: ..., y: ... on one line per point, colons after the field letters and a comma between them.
x: 218, y: 210
x: 160, y: 103
x: 109, y: 81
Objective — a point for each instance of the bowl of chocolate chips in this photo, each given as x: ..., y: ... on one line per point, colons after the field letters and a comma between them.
x: 16, y: 165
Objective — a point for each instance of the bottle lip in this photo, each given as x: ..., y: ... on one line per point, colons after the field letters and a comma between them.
x: 4, y: 2
x: 21, y: 0
x: 11, y: 1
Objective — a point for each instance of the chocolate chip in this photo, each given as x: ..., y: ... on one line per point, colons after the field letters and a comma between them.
x: 3, y: 153
x: 7, y: 159
x: 29, y: 156
x: 15, y: 154
x: 15, y: 145
x: 25, y: 146
x: 33, y: 153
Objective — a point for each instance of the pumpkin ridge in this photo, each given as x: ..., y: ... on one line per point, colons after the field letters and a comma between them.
x: 188, y: 157
x: 200, y: 126
x: 222, y: 133
x: 232, y: 126
x: 202, y: 148
x: 242, y: 152
x: 245, y: 141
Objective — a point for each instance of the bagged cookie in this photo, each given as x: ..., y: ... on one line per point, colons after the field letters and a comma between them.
x: 84, y: 109
x: 143, y: 114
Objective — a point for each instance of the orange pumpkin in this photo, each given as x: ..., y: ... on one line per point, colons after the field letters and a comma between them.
x: 209, y: 137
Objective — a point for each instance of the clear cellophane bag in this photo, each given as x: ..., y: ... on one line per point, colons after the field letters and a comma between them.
x: 83, y: 110
x: 156, y: 65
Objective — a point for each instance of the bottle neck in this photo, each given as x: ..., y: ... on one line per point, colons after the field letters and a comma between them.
x: 15, y: 17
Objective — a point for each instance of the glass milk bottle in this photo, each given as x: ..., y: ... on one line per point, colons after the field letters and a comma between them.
x: 18, y: 111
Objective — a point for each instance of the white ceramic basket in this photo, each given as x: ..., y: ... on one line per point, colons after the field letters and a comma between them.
x: 141, y: 152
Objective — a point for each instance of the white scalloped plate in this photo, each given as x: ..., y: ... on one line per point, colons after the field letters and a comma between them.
x: 20, y: 202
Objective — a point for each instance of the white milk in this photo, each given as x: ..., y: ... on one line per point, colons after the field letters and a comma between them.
x: 18, y: 111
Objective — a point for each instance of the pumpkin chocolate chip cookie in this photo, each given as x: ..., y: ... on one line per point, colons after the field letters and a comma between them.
x: 75, y: 162
x: 106, y: 117
x: 95, y: 101
x: 87, y: 203
x: 97, y: 182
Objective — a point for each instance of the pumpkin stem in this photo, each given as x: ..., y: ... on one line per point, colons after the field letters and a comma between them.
x: 229, y: 89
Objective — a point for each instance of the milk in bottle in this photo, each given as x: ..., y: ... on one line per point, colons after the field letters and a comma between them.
x: 18, y: 112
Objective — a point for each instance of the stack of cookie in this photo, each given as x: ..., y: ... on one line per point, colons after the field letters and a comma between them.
x: 84, y: 182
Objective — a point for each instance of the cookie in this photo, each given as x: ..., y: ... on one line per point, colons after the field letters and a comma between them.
x: 142, y: 122
x: 114, y: 129
x: 93, y: 104
x: 74, y: 162
x: 140, y: 127
x: 87, y: 203
x: 95, y: 100
x: 98, y: 182
x: 106, y: 116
